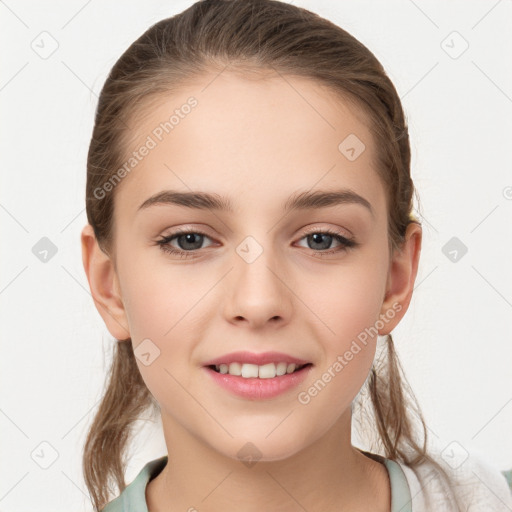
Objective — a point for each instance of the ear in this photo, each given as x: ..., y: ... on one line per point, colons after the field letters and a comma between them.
x: 104, y: 285
x: 403, y: 268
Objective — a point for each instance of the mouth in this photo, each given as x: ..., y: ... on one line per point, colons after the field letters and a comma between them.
x: 255, y: 382
x: 254, y: 371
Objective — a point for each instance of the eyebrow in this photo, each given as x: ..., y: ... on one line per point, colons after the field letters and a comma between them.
x: 300, y: 200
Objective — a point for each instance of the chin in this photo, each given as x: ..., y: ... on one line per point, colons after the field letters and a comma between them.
x: 262, y: 447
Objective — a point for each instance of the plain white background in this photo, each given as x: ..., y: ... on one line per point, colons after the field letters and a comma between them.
x: 455, y: 340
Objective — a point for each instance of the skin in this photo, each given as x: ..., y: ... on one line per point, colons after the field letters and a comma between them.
x: 257, y: 142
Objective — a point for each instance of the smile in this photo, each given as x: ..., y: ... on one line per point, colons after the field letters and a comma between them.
x: 266, y: 371
x: 259, y: 388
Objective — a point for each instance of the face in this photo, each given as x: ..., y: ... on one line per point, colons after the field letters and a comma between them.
x: 256, y: 287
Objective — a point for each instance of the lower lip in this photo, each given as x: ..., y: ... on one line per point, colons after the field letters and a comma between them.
x: 256, y: 388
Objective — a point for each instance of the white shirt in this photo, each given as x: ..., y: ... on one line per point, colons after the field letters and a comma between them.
x: 479, y: 487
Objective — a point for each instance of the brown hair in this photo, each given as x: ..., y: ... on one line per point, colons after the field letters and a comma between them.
x: 247, y: 35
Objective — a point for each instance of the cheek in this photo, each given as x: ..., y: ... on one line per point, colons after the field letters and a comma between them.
x: 348, y: 341
x: 162, y: 307
x: 157, y: 300
x: 347, y: 300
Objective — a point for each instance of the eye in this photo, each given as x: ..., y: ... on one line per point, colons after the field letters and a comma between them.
x: 188, y: 242
x: 322, y: 239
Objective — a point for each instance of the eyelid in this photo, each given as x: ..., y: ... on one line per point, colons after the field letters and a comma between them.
x: 339, y: 231
x: 188, y: 228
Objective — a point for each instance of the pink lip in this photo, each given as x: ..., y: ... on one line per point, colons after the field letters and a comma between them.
x: 253, y: 358
x: 259, y: 389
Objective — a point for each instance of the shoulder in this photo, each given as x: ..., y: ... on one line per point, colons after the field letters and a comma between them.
x: 474, y: 484
x: 133, y: 497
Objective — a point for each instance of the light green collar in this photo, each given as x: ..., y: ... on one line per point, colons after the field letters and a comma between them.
x: 133, y: 498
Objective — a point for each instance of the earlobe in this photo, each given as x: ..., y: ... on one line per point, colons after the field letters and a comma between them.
x: 402, y: 272
x: 103, y: 283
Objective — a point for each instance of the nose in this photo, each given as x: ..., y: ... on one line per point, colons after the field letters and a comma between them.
x: 258, y: 292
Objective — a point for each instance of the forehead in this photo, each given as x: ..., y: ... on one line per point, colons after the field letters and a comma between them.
x: 249, y: 138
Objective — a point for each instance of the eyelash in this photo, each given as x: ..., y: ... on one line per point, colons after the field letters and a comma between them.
x: 345, y: 242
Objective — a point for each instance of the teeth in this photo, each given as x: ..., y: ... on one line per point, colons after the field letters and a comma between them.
x: 249, y: 370
x: 235, y: 369
x: 266, y: 371
x: 281, y: 368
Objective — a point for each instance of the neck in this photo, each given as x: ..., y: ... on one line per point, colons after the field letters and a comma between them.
x: 333, y: 476
x: 329, y: 475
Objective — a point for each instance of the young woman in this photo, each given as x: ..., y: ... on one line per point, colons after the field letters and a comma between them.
x: 250, y: 235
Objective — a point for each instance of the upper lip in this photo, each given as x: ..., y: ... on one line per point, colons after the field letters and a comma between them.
x: 255, y: 358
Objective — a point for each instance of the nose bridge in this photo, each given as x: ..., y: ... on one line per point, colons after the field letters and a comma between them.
x: 257, y: 290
